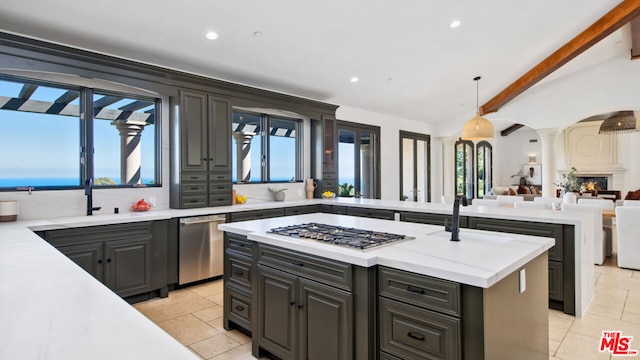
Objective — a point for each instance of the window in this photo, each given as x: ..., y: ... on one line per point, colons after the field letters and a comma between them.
x: 265, y: 156
x: 464, y: 168
x: 358, y: 154
x: 484, y: 157
x: 44, y: 134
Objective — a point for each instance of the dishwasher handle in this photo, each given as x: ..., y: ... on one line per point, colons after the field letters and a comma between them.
x: 202, y: 220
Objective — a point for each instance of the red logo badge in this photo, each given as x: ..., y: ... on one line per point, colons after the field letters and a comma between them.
x: 616, y: 343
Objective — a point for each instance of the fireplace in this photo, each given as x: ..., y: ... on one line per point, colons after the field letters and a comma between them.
x: 600, y: 181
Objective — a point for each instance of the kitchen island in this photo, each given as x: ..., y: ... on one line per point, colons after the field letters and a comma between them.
x: 482, y: 297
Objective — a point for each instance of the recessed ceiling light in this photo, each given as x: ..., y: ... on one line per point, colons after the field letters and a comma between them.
x: 455, y: 24
x: 211, y: 35
x: 257, y: 34
x: 354, y: 79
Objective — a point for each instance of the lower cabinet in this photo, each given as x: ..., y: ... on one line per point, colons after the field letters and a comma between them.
x: 130, y: 259
x: 301, y: 318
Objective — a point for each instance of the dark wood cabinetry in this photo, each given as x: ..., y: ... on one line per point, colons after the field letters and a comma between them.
x: 305, y: 306
x: 202, y: 136
x: 431, y: 219
x: 371, y: 213
x: 256, y: 214
x: 561, y: 255
x: 238, y: 283
x: 130, y: 259
x: 324, y: 154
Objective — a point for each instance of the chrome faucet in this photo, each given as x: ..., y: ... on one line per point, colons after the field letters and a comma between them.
x: 88, y: 190
x: 455, y: 218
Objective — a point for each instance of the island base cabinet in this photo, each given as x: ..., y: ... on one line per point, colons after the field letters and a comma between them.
x: 303, y: 319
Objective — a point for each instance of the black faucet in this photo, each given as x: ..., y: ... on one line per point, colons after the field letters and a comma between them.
x: 455, y: 218
x: 88, y: 190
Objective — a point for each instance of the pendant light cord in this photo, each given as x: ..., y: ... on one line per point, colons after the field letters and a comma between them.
x: 477, y: 92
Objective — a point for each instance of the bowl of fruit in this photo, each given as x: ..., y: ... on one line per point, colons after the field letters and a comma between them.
x: 241, y: 199
x: 141, y: 205
x: 328, y: 195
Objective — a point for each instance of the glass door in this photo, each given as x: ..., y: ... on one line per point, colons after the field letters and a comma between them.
x: 358, y: 153
x: 415, y: 169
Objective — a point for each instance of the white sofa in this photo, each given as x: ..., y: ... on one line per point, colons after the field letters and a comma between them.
x: 628, y: 230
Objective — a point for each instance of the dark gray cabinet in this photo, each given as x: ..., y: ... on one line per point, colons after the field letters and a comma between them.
x: 201, y: 133
x: 324, y: 161
x: 299, y: 210
x: 130, y: 259
x: 302, y: 316
x: 238, y: 283
x: 371, y: 213
x: 419, y: 316
x: 561, y: 255
x: 256, y: 214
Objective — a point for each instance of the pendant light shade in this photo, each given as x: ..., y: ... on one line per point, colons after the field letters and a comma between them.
x: 477, y: 128
x: 619, y: 123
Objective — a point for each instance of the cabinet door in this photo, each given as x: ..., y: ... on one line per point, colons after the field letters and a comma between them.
x: 326, y: 322
x: 193, y: 131
x: 277, y: 328
x: 220, y: 134
x: 87, y: 256
x: 128, y: 265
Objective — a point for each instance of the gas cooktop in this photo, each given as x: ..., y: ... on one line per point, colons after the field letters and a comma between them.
x: 339, y: 235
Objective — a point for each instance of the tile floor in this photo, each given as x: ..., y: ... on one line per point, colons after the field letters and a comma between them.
x: 193, y: 316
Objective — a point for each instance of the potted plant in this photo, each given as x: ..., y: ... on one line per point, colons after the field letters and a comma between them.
x: 568, y: 186
x: 278, y: 193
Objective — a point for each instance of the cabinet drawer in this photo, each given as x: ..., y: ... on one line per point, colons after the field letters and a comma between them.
x: 219, y: 187
x: 324, y: 270
x: 194, y: 177
x: 93, y: 234
x: 217, y: 199
x: 193, y: 188
x: 385, y: 356
x: 239, y: 270
x: 420, y: 290
x: 238, y: 244
x: 411, y: 332
x: 371, y: 213
x: 256, y: 214
x: 225, y: 176
x: 239, y: 307
x: 298, y: 210
x: 194, y: 201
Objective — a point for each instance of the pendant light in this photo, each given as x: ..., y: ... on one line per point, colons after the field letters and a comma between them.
x: 619, y: 123
x: 477, y: 128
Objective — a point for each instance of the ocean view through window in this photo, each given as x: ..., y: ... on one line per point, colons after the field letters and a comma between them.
x: 44, y: 136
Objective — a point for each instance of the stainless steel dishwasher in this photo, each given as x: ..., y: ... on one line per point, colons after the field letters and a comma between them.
x: 200, y: 248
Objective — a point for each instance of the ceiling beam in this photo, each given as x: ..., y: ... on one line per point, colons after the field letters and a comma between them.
x: 635, y: 38
x: 510, y: 129
x: 612, y: 21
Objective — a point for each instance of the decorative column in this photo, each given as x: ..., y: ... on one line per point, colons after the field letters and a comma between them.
x: 548, y: 139
x: 243, y: 151
x: 130, y: 132
x: 448, y: 166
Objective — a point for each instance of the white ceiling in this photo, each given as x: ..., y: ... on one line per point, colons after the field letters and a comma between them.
x: 411, y: 64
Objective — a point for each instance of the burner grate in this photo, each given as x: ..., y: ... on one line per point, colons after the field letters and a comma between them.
x: 339, y: 235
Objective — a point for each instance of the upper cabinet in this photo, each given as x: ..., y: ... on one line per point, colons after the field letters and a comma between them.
x: 324, y: 154
x: 201, y: 151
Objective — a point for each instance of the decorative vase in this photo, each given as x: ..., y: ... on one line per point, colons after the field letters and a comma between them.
x: 569, y: 198
x: 278, y: 195
x: 310, y: 187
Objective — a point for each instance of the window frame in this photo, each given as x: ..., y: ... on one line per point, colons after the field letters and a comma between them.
x: 85, y: 158
x: 265, y: 148
x: 472, y: 179
x: 488, y: 149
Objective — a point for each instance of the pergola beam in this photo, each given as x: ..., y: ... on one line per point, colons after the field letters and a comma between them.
x: 612, y: 21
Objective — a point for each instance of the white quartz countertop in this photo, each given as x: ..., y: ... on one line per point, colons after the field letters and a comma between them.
x: 480, y: 259
x: 51, y: 309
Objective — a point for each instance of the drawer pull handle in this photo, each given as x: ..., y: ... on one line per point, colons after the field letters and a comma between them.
x: 238, y: 272
x: 300, y: 306
x: 297, y: 263
x: 415, y: 290
x: 194, y: 188
x: 240, y: 308
x: 415, y: 336
x: 193, y: 177
x: 292, y: 302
